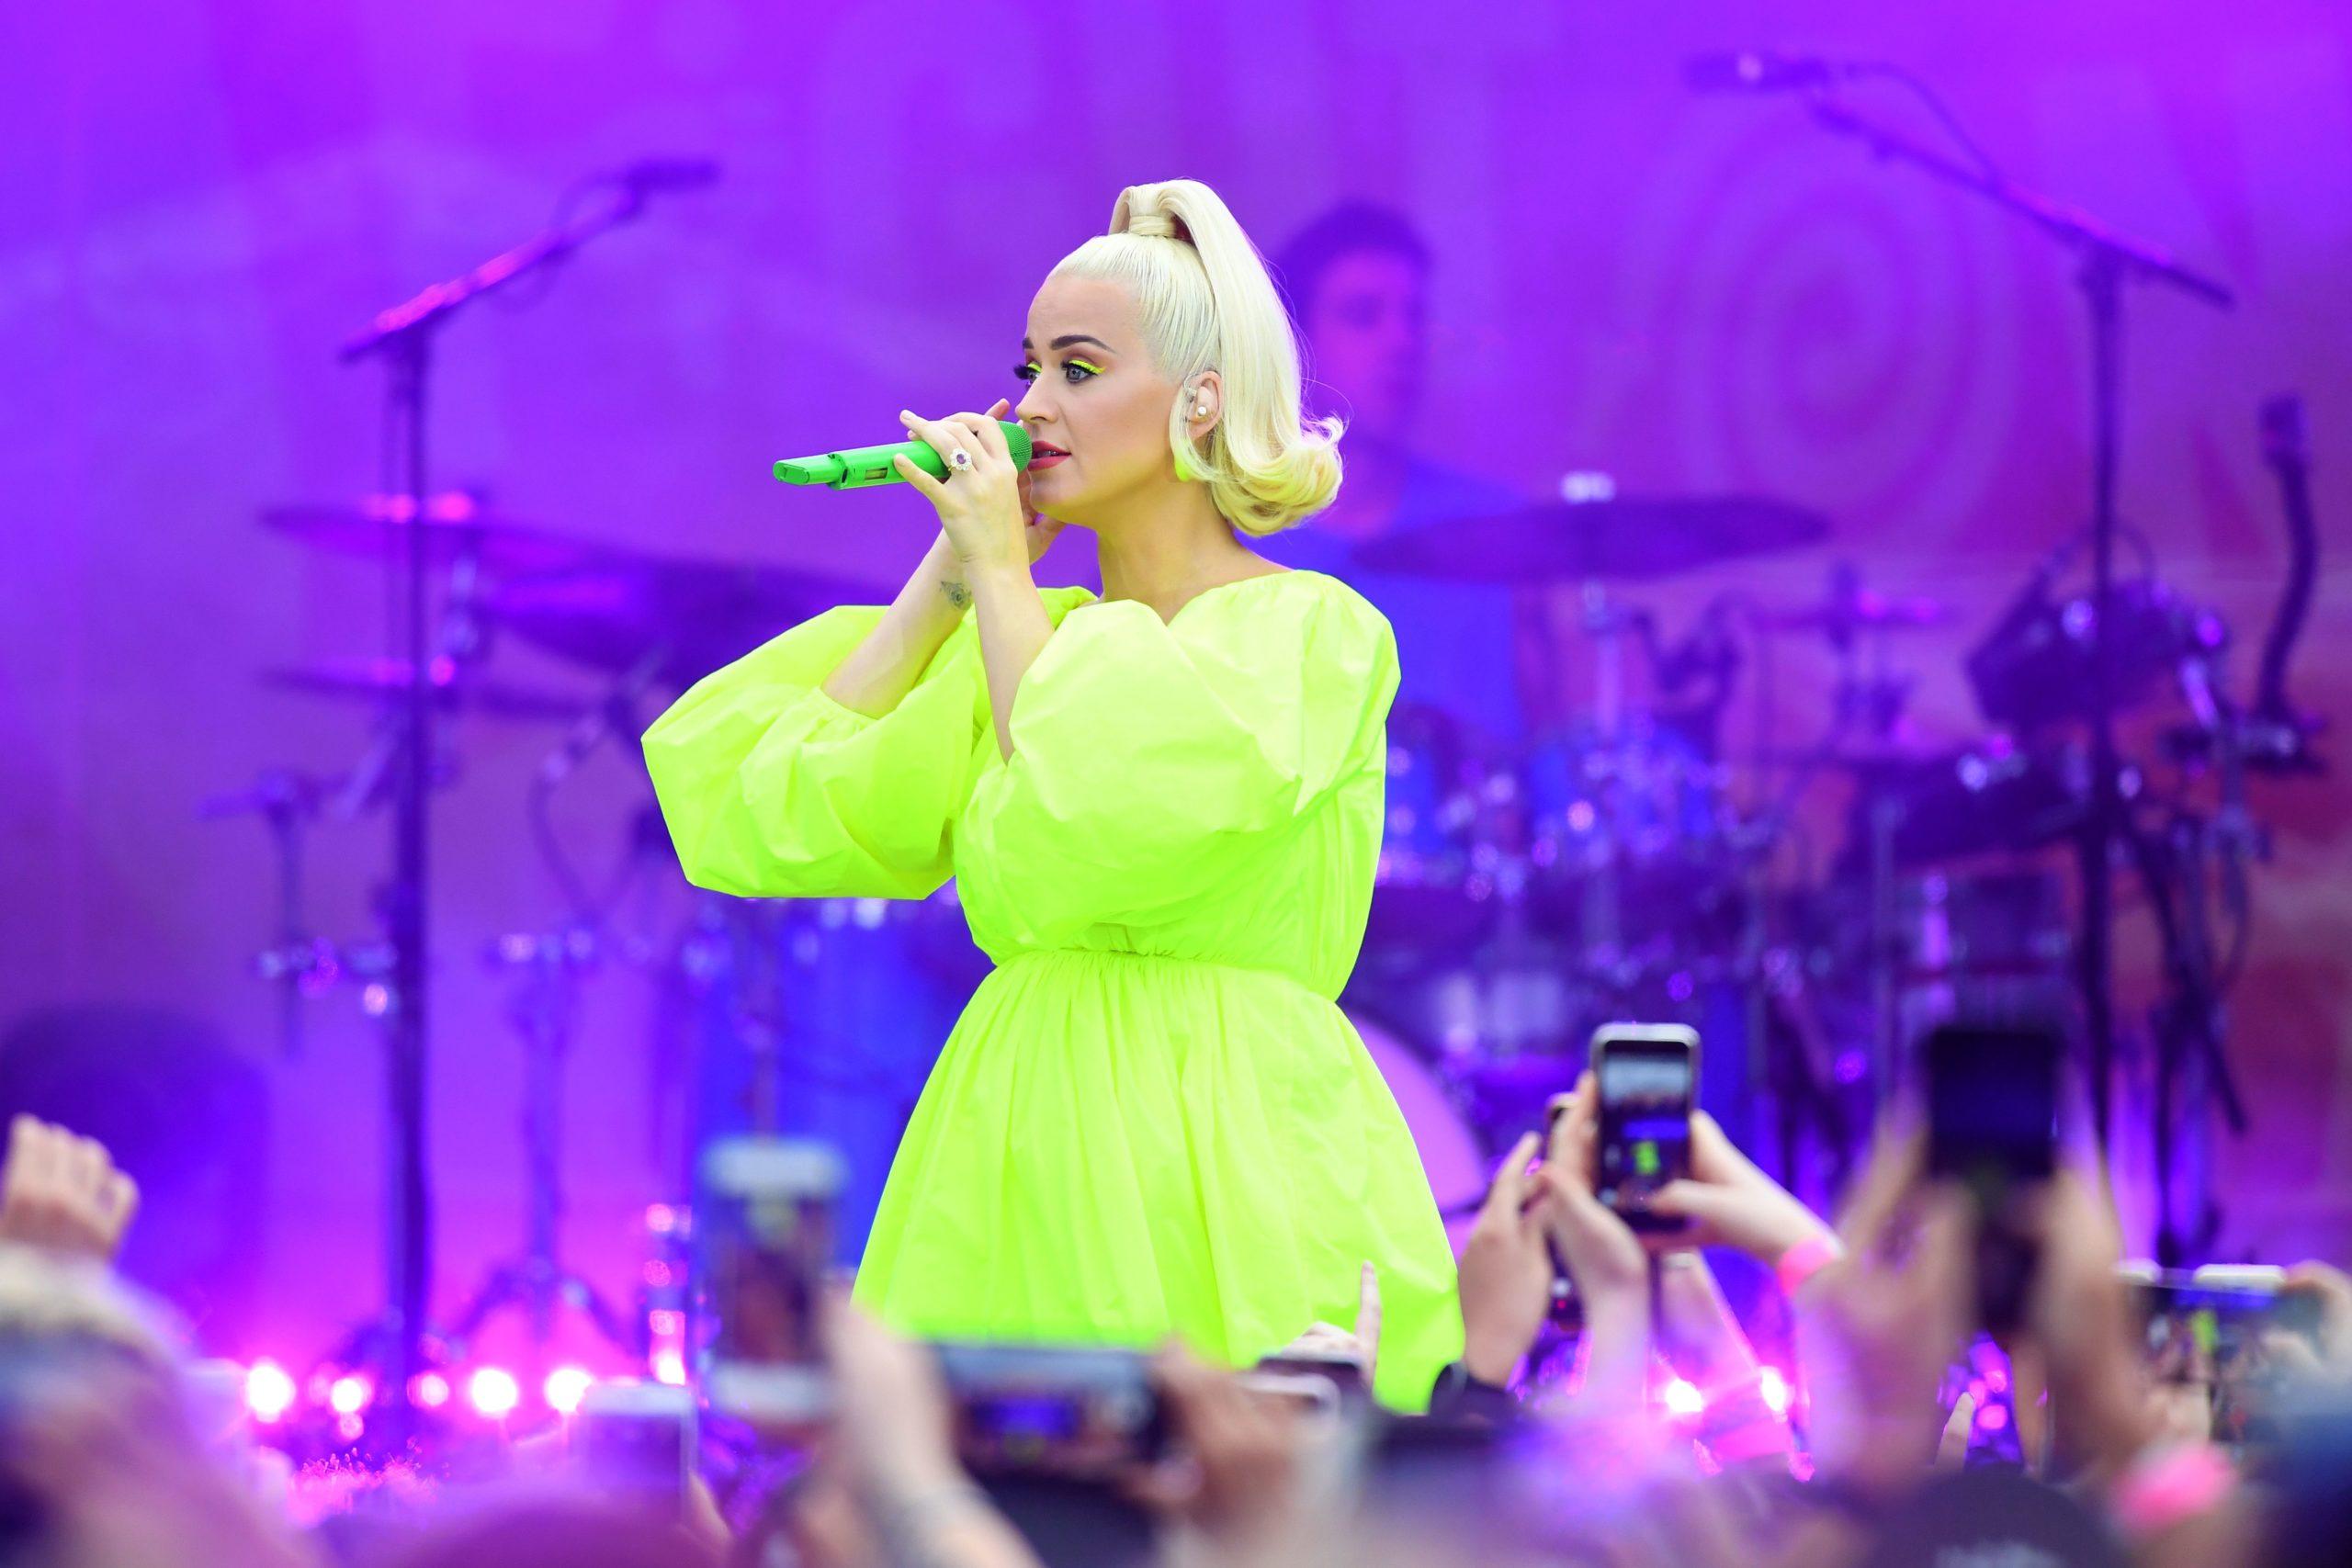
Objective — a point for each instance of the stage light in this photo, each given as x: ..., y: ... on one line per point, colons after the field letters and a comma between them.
x: 1775, y: 1390
x: 269, y: 1393
x: 670, y: 1367
x: 492, y: 1391
x: 1682, y: 1400
x: 1993, y: 1417
x: 565, y: 1388
x: 349, y: 1394
x: 428, y: 1390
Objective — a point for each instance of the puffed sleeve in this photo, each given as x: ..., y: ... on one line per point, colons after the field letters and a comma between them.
x: 773, y: 789
x: 1149, y: 757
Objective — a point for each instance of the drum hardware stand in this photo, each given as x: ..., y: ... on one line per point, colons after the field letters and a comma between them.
x: 1602, y: 933
x: 402, y: 337
x: 301, y: 965
x: 543, y: 1011
x: 2108, y: 261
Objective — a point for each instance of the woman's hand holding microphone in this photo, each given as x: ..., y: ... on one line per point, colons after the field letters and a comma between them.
x: 983, y: 503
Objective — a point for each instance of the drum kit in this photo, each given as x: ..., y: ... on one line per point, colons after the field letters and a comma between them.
x: 1609, y: 867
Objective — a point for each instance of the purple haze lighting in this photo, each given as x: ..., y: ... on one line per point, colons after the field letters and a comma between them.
x: 493, y: 1392
x: 429, y: 1391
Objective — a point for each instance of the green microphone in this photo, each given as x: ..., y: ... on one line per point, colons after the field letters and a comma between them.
x: 861, y: 466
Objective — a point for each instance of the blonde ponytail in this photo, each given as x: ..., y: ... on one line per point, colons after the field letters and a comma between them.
x: 1207, y: 304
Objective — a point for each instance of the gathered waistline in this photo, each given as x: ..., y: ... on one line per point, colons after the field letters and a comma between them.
x: 1258, y: 971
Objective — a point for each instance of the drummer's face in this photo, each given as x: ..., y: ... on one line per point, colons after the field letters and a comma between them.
x: 1367, y: 339
x: 1094, y: 392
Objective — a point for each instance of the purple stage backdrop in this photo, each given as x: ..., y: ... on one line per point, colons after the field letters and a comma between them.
x: 202, y: 200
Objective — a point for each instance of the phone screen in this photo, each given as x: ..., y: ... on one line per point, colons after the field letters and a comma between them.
x: 1993, y: 1127
x: 2216, y: 1313
x: 1646, y: 1088
x: 763, y: 1241
x: 1992, y: 1108
x: 1078, y: 1412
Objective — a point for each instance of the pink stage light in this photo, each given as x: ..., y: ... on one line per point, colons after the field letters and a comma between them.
x: 428, y: 1390
x: 349, y: 1394
x: 670, y: 1367
x: 1775, y: 1390
x: 269, y: 1393
x: 493, y: 1392
x: 1993, y: 1417
x: 1683, y: 1400
x: 565, y: 1387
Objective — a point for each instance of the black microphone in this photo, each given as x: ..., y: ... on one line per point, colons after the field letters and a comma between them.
x: 1760, y: 71
x: 666, y: 174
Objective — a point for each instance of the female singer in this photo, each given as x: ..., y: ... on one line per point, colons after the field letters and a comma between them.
x: 1163, y: 812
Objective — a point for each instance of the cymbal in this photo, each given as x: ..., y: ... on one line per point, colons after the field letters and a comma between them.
x: 385, y: 679
x: 457, y: 526
x: 670, y: 622
x: 1569, y: 541
x: 1861, y: 611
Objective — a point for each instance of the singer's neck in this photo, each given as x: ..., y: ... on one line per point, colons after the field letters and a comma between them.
x: 1170, y: 548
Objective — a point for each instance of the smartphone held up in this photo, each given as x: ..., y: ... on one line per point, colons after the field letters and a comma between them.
x: 1647, y: 1078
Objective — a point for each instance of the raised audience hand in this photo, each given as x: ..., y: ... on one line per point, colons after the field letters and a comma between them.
x: 1876, y: 1328
x: 1360, y: 1344
x: 1730, y: 1202
x: 2330, y: 1291
x: 896, y: 1431
x: 1235, y: 1475
x: 2104, y: 1409
x: 1505, y: 1271
x: 1604, y: 1259
x: 63, y: 1192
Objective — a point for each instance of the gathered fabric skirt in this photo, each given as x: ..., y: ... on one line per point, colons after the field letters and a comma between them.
x: 1117, y: 1148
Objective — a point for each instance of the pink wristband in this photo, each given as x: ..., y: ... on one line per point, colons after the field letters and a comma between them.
x: 2160, y: 1490
x: 1806, y: 1259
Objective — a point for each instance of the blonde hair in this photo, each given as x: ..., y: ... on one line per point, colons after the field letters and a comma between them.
x: 1208, y: 304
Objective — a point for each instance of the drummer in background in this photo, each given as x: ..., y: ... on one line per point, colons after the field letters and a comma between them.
x: 1356, y: 280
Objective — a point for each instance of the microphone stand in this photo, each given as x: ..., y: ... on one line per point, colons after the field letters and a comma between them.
x: 402, y: 337
x: 2108, y: 260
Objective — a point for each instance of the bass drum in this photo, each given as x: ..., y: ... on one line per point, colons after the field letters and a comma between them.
x: 1451, y: 1156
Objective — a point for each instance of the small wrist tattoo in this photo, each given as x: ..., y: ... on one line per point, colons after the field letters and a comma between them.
x: 957, y: 595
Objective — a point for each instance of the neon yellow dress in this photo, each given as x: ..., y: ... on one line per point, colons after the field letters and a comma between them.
x: 1152, y: 1117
